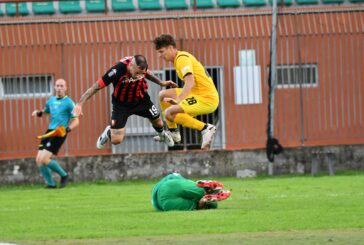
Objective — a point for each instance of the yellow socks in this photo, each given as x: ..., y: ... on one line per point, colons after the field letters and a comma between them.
x: 164, y: 106
x: 187, y: 121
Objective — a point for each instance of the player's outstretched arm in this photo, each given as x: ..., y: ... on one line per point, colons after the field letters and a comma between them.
x: 77, y: 110
x: 189, y: 84
x: 169, y: 83
x: 150, y: 76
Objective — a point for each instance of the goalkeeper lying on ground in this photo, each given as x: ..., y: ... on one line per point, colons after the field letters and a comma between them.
x: 174, y: 192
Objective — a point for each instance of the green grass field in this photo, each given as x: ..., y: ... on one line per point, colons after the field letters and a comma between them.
x: 264, y: 210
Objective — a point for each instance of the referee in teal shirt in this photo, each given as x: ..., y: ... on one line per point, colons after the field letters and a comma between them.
x: 59, y: 108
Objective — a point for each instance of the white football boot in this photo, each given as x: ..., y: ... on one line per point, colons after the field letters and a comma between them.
x: 166, y: 138
x: 103, y: 139
x: 207, y: 136
x: 176, y: 136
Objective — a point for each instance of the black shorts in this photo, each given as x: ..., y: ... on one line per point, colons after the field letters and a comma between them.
x: 52, y: 144
x: 121, y: 111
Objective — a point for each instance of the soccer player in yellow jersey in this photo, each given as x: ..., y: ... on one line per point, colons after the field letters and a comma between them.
x: 197, y: 97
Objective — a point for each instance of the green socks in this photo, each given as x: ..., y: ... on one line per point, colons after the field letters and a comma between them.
x: 45, y: 170
x: 47, y: 175
x: 53, y: 164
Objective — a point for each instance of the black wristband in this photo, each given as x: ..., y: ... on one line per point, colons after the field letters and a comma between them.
x: 68, y: 129
x: 39, y: 113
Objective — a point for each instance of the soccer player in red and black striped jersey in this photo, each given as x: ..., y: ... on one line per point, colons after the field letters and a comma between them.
x: 130, y: 97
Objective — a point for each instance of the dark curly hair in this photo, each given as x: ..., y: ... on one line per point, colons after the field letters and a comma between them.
x: 164, y: 40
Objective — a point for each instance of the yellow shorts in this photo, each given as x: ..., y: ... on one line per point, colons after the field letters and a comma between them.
x: 196, y: 105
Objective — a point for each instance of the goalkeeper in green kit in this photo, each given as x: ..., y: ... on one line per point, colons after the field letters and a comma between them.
x: 174, y: 192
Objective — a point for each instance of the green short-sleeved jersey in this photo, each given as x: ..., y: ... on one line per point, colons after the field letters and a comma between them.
x: 156, y: 188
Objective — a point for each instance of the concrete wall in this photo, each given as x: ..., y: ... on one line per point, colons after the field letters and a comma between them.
x: 195, y: 164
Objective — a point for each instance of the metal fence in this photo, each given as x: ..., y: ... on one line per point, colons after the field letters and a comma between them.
x: 320, y: 81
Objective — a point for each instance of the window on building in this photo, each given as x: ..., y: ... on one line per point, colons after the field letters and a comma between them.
x: 26, y: 86
x: 294, y: 76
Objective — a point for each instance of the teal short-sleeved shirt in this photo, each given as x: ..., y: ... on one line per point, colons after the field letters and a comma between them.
x: 60, y: 110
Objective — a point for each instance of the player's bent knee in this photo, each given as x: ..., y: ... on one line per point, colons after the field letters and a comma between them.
x: 116, y: 141
x: 38, y: 162
x: 169, y: 115
x: 161, y: 95
x: 42, y: 161
x: 43, y: 158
